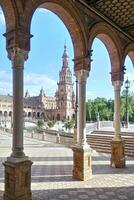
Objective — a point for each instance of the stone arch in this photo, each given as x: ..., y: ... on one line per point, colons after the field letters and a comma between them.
x: 38, y: 115
x: 58, y: 117
x: 34, y: 114
x: 5, y: 113
x: 70, y: 17
x: 109, y: 37
x: 29, y: 114
x: 10, y: 113
x: 129, y: 50
x: 9, y: 14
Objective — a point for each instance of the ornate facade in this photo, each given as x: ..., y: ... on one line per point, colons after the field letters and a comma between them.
x: 58, y: 107
x: 111, y: 22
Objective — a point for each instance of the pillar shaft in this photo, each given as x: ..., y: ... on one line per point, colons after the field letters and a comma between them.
x: 117, y: 144
x: 18, y: 57
x: 117, y: 105
x: 81, y: 122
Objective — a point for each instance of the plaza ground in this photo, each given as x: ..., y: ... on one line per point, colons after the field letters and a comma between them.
x: 52, y: 173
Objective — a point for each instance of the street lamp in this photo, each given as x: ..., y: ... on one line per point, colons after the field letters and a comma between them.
x: 127, y: 86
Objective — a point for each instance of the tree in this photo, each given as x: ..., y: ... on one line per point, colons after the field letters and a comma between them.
x: 50, y: 124
x: 40, y: 124
x: 69, y: 124
x: 106, y: 108
x: 89, y: 105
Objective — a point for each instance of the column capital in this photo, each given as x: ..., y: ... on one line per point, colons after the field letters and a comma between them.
x: 117, y: 76
x: 82, y: 63
x: 117, y: 83
x: 18, y: 57
x: 82, y: 75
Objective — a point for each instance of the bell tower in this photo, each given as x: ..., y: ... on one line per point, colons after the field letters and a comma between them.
x: 65, y: 88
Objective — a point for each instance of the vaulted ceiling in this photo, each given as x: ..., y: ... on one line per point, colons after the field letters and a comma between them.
x: 118, y: 12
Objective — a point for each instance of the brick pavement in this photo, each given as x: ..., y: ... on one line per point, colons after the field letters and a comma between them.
x: 52, y: 174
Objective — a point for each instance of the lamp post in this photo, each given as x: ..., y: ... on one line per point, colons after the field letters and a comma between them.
x: 127, y: 86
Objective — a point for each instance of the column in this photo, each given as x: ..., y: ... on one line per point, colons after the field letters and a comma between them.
x: 117, y: 144
x: 117, y: 104
x: 81, y: 123
x: 17, y: 166
x: 18, y: 57
x: 75, y: 135
x: 82, y: 152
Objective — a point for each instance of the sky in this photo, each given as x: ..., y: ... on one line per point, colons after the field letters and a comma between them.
x: 45, y: 60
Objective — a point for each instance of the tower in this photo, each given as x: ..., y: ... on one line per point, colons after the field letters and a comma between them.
x: 27, y: 95
x: 65, y: 89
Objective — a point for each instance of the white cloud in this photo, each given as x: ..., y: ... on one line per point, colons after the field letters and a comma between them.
x: 5, y: 82
x: 33, y: 82
x: 2, y: 18
x: 90, y: 95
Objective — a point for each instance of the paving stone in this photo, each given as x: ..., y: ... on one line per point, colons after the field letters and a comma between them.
x: 84, y: 196
x: 52, y: 174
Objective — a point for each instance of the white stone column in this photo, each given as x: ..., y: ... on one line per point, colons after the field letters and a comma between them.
x: 18, y: 57
x: 81, y: 122
x: 117, y: 104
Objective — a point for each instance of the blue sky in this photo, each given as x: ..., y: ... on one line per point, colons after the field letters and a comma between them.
x: 42, y: 67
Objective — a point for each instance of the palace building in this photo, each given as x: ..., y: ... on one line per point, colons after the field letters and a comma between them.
x: 112, y: 22
x: 58, y: 107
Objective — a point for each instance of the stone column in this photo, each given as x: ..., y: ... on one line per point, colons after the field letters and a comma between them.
x: 17, y: 166
x: 81, y: 123
x: 81, y: 152
x: 117, y: 156
x: 75, y: 135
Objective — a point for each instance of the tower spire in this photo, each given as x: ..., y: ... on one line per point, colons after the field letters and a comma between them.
x: 65, y: 56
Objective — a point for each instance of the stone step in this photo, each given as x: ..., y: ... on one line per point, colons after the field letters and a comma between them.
x: 105, y: 140
x: 128, y: 152
x: 112, y: 133
x: 102, y: 143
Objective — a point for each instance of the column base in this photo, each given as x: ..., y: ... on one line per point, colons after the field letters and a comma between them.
x: 82, y: 163
x: 17, y: 180
x: 117, y: 154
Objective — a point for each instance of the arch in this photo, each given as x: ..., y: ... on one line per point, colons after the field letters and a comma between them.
x: 42, y: 115
x: 10, y: 113
x: 5, y: 113
x: 129, y: 50
x: 24, y: 113
x: 38, y: 115
x: 70, y: 17
x: 108, y: 36
x: 58, y: 117
x: 73, y: 116
x: 10, y: 18
x: 29, y: 114
x: 34, y: 114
